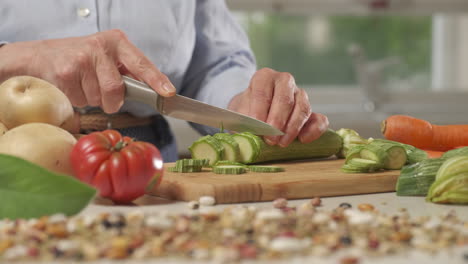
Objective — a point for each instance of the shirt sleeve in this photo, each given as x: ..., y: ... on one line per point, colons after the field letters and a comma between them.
x: 222, y: 62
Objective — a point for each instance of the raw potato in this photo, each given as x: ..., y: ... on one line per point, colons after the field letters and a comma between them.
x: 3, y: 129
x: 26, y: 99
x: 46, y: 145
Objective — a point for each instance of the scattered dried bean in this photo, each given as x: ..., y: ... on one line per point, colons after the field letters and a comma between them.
x: 230, y: 235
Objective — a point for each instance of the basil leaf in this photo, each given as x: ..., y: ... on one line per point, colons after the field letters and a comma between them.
x: 28, y: 190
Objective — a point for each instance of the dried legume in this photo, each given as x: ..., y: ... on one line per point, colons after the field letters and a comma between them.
x: 229, y: 235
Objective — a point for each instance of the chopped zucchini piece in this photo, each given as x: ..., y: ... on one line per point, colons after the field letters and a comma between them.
x: 414, y: 154
x: 172, y: 169
x: 375, y: 153
x: 229, y: 169
x: 247, y: 146
x: 191, y: 162
x: 395, y: 157
x: 354, y: 152
x: 185, y: 169
x: 231, y: 147
x: 350, y: 139
x: 258, y: 168
x: 228, y: 162
x: 207, y: 147
x: 361, y: 165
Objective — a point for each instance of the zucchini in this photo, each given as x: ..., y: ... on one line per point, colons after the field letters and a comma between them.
x: 456, y: 152
x: 375, y: 153
x: 416, y: 179
x: 248, y: 148
x: 253, y: 149
x: 395, y: 155
x: 172, y: 169
x: 453, y: 166
x: 449, y: 189
x: 326, y: 146
x: 207, y: 147
x: 229, y: 169
x: 185, y: 169
x: 451, y: 184
x: 258, y: 168
x: 414, y: 154
x: 453, y: 197
x: 354, y: 152
x: 231, y: 147
x: 191, y: 162
x: 350, y: 139
x: 358, y: 165
x: 228, y: 162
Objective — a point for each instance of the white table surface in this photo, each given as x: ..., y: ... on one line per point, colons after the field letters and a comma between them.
x: 384, y: 202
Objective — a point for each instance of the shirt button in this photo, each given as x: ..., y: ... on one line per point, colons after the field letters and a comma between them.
x: 83, y: 12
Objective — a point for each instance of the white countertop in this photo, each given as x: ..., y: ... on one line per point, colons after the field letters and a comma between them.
x: 384, y: 202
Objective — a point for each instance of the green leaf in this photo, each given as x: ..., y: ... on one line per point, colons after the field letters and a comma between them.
x: 29, y: 191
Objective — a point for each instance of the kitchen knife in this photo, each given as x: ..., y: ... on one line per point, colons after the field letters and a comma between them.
x: 188, y: 109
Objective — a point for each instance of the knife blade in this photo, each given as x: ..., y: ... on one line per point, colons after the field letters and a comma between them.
x: 188, y: 109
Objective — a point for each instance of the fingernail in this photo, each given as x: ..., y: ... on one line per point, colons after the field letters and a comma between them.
x: 269, y: 142
x: 284, y: 141
x: 169, y: 88
x: 273, y: 140
x: 323, y: 128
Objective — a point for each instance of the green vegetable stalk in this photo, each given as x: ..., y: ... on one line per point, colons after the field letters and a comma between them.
x: 451, y: 184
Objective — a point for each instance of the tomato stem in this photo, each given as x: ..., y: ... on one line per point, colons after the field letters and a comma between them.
x: 120, y: 145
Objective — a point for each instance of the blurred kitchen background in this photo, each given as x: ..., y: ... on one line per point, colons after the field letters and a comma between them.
x: 363, y: 60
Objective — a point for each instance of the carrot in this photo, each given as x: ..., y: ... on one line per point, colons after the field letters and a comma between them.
x: 424, y: 135
x: 434, y: 154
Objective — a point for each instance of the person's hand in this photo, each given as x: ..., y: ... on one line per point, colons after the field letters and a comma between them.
x: 87, y: 69
x: 273, y: 97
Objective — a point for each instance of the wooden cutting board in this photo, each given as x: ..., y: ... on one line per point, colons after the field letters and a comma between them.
x: 301, y: 179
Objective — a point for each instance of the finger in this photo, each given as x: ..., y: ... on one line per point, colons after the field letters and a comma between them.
x: 313, y: 128
x: 68, y: 80
x: 261, y: 93
x: 141, y: 67
x: 124, y: 71
x: 282, y: 104
x: 298, y: 118
x: 110, y: 82
x: 90, y: 86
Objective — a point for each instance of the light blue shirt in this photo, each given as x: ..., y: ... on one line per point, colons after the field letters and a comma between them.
x: 196, y: 43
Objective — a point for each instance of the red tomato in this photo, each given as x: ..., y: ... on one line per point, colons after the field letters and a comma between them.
x: 120, y: 168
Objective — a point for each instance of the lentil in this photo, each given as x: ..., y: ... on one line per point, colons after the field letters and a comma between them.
x: 193, y: 205
x: 233, y: 234
x: 207, y: 200
x: 366, y: 207
x: 349, y: 260
x: 280, y: 203
x: 316, y: 201
x: 345, y: 205
x: 346, y: 240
